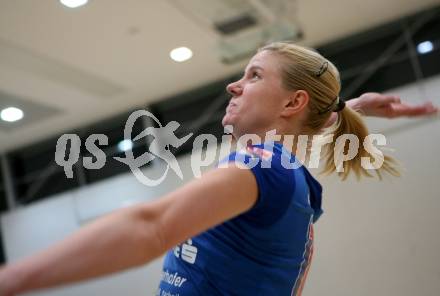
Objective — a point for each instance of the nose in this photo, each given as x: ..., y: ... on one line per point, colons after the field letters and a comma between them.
x: 234, y: 88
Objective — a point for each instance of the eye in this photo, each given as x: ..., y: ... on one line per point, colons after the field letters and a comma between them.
x: 255, y: 75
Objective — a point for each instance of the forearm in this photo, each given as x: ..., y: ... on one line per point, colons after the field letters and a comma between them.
x: 116, y: 242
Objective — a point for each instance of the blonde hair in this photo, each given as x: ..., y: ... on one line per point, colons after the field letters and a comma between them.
x: 305, y: 69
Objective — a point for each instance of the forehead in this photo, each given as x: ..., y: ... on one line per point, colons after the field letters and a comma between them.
x: 266, y: 60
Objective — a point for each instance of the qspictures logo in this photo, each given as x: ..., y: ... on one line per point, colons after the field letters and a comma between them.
x: 161, y: 149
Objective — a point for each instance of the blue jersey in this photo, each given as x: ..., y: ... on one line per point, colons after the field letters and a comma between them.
x: 264, y: 251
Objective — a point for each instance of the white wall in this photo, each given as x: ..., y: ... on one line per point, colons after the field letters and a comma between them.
x: 375, y: 238
x: 382, y: 238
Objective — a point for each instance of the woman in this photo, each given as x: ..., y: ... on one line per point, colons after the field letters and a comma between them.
x: 247, y: 231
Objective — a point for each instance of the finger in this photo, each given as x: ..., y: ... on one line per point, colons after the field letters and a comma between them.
x: 431, y: 108
x: 408, y: 110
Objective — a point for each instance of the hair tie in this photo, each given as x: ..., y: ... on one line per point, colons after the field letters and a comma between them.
x: 321, y: 70
x: 340, y: 105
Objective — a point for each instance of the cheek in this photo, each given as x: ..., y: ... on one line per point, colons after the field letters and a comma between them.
x: 264, y: 104
x: 254, y: 115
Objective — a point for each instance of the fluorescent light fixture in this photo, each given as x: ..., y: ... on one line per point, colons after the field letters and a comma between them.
x: 11, y: 114
x: 181, y: 54
x: 425, y: 47
x: 125, y: 145
x: 74, y: 3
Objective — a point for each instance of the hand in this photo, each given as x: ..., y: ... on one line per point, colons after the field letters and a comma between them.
x: 389, y: 106
x: 6, y: 283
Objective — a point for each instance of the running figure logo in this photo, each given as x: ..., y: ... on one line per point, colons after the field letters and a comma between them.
x: 160, y: 149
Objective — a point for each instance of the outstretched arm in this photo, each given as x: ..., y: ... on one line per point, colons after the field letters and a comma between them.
x: 387, y: 106
x: 135, y: 235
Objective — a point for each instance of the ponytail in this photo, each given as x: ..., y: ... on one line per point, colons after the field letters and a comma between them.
x: 350, y: 122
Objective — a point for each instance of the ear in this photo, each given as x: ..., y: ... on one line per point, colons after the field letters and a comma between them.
x: 295, y: 103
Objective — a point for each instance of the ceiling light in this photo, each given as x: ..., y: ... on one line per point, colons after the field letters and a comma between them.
x: 425, y: 47
x: 181, y: 54
x: 11, y: 114
x: 74, y: 3
x: 125, y: 145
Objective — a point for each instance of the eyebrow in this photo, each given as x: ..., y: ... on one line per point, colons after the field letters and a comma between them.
x: 254, y: 67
